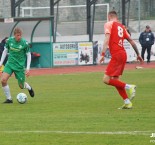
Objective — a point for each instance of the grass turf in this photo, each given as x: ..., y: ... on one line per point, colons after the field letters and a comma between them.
x: 78, y: 109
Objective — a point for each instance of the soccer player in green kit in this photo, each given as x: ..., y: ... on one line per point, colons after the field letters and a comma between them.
x: 19, y: 52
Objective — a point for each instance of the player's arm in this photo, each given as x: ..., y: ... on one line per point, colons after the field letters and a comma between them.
x: 28, y: 54
x: 105, y: 46
x: 133, y: 44
x: 4, y: 54
x: 140, y: 38
x: 152, y: 42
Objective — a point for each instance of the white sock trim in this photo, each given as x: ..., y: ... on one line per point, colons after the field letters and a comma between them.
x: 127, y: 86
x: 27, y: 86
x: 7, y: 93
x: 127, y: 101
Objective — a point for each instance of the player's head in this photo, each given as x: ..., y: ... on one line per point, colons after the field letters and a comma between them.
x: 148, y: 29
x: 17, y: 34
x: 112, y: 15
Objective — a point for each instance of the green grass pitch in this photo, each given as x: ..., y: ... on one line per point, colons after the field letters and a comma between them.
x: 78, y: 109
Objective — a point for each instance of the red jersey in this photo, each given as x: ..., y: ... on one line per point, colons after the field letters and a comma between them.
x: 117, y: 35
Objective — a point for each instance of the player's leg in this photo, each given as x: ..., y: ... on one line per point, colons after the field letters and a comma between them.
x: 148, y: 54
x: 114, y: 81
x: 4, y: 78
x: 116, y: 68
x: 127, y: 102
x: 143, y: 52
x: 30, y: 89
x: 20, y: 76
x: 122, y: 92
x: 111, y: 77
x: 120, y: 86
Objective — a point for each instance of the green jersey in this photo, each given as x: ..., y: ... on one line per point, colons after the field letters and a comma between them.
x: 17, y: 53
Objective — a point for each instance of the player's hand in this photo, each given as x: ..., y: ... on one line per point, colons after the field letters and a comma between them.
x: 27, y: 73
x: 102, y: 59
x: 1, y: 68
x: 0, y: 64
x: 139, y: 58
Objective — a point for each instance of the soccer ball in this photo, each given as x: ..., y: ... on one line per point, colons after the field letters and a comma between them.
x: 22, y: 98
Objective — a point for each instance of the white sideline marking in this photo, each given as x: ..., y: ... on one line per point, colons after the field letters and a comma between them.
x: 81, y: 132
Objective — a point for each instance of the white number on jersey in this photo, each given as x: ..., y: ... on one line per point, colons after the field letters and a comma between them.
x: 120, y: 43
x: 120, y: 34
x: 120, y: 31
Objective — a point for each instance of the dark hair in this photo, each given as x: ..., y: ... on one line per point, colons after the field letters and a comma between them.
x: 147, y: 27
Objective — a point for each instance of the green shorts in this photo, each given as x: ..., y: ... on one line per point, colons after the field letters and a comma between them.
x: 19, y: 74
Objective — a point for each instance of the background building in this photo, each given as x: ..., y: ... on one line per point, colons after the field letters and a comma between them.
x: 72, y: 21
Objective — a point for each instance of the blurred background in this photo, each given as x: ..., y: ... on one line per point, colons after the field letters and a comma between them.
x: 71, y: 15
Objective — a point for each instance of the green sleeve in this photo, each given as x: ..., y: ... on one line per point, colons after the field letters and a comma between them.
x: 7, y: 44
x: 27, y: 47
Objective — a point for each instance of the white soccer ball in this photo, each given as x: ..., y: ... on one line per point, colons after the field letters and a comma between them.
x: 22, y: 98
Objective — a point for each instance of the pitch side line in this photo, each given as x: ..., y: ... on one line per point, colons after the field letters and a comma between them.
x: 81, y: 132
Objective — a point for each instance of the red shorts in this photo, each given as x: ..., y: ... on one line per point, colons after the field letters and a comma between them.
x: 116, y: 65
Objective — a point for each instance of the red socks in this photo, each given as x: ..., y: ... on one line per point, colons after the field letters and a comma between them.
x: 122, y: 93
x: 116, y: 83
x: 120, y: 86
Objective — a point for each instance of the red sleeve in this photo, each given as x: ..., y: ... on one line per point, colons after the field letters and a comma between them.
x: 107, y: 27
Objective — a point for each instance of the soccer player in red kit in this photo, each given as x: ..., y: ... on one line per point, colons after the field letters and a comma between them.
x: 115, y: 33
